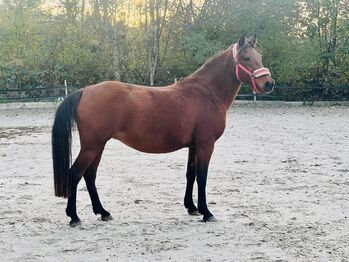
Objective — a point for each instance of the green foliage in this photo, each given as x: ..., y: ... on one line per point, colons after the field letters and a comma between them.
x: 303, y: 42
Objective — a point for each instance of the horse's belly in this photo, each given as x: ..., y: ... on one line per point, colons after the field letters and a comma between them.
x: 152, y: 143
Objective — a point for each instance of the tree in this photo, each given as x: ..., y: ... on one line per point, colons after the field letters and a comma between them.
x: 327, y: 24
x: 304, y: 42
x: 155, y: 19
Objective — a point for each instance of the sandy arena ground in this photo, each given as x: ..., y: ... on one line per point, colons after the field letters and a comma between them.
x: 278, y: 184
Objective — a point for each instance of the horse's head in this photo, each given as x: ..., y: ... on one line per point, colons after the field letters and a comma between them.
x: 249, y: 68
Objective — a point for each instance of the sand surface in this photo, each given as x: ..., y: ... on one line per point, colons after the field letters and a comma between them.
x: 278, y: 184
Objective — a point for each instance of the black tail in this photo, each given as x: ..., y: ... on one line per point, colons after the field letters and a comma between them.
x: 61, y: 143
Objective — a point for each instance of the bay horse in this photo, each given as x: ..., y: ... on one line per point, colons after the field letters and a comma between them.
x: 190, y: 113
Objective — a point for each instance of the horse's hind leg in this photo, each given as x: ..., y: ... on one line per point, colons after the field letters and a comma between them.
x: 75, y: 178
x: 191, y: 175
x: 90, y: 178
x: 82, y: 162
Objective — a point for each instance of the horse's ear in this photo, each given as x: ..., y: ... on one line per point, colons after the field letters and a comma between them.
x: 253, y: 40
x: 242, y: 41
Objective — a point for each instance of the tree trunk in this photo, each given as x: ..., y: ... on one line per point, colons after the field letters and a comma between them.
x: 154, y: 23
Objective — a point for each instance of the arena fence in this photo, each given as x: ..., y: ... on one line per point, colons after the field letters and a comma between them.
x: 280, y: 93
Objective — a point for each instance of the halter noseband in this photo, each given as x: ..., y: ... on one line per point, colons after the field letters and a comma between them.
x: 252, y: 74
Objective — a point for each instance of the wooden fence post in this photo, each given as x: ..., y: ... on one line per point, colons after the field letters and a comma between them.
x: 65, y: 88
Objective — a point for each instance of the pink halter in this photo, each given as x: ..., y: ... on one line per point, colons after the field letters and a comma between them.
x: 252, y: 74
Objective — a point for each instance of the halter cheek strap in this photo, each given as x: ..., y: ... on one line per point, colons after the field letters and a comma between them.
x: 252, y: 74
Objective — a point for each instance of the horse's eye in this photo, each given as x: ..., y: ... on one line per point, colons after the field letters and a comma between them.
x: 246, y: 58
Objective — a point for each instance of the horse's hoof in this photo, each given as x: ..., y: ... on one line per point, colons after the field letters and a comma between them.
x: 194, y: 213
x: 75, y: 223
x: 210, y: 219
x: 107, y: 218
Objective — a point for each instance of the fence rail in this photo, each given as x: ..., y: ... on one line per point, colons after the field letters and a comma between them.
x: 38, y: 94
x: 29, y: 89
x: 280, y: 93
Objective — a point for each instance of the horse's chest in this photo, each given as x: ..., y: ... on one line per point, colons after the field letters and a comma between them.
x: 210, y: 128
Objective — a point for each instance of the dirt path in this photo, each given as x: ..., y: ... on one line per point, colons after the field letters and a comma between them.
x: 278, y: 183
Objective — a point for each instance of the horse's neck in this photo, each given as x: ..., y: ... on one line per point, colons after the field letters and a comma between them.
x: 218, y: 80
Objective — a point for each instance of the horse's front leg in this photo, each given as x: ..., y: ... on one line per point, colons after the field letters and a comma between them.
x: 191, y: 175
x: 204, y: 153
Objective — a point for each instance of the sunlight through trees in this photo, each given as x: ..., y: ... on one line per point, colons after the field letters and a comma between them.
x: 42, y: 43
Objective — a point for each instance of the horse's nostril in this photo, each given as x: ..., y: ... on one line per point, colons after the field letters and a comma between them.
x: 269, y: 86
